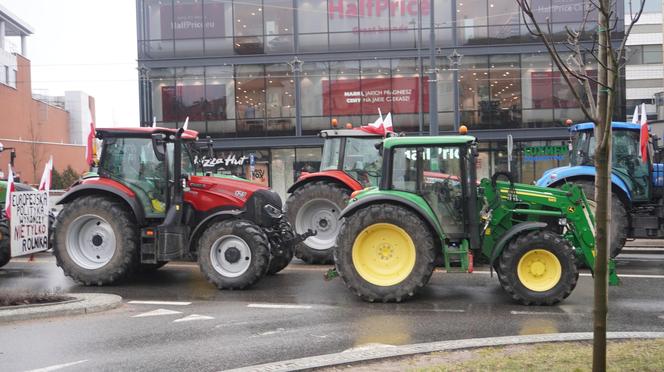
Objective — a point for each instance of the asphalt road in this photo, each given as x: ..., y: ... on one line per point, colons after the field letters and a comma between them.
x: 294, y: 314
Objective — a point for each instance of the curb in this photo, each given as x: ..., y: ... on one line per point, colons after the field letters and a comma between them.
x: 85, y: 303
x: 363, y: 354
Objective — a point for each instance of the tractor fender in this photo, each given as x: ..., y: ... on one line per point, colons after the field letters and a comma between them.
x: 511, y: 233
x: 557, y: 176
x: 331, y: 176
x: 353, y: 207
x: 84, y: 189
x: 227, y: 213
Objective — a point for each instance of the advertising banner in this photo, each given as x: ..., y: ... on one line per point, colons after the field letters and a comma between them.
x: 402, y: 14
x: 29, y: 222
x: 354, y: 97
x: 187, y: 21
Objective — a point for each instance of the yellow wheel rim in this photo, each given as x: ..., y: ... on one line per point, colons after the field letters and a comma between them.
x: 384, y: 254
x: 539, y: 270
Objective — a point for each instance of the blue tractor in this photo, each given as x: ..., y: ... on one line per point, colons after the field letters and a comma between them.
x: 637, y: 202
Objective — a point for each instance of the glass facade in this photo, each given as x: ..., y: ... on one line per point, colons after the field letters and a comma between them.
x: 230, y: 66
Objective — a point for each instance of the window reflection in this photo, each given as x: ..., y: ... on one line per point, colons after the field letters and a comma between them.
x: 250, y: 100
x: 248, y: 26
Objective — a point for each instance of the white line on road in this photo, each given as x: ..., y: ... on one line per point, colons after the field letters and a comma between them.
x: 57, y: 366
x: 164, y: 303
x: 279, y: 306
x: 513, y: 312
x: 278, y: 330
x: 645, y: 276
x: 157, y: 312
x: 192, y: 317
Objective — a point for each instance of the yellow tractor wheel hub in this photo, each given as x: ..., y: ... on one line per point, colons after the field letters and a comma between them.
x: 539, y: 270
x: 384, y: 254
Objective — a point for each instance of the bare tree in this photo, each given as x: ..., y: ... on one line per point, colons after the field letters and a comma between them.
x: 591, y: 44
x: 36, y: 151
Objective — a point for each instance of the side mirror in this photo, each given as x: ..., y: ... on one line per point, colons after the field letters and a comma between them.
x: 2, y: 147
x: 158, y: 145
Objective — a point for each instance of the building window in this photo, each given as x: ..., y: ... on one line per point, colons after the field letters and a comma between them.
x: 220, y: 101
x: 280, y: 100
x: 652, y: 54
x: 248, y: 27
x: 278, y: 26
x: 250, y: 100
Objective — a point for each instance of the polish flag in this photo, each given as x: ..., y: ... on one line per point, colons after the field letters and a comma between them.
x: 644, y: 134
x: 10, y: 189
x: 45, y: 183
x: 90, y: 150
x: 379, y: 126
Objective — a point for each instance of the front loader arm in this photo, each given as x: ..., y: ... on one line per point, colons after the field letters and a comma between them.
x: 509, y: 204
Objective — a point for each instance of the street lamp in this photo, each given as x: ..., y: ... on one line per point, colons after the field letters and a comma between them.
x: 455, y: 61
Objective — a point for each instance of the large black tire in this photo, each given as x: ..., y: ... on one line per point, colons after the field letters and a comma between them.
x: 121, y: 222
x: 557, y: 249
x: 386, y: 215
x: 238, y: 268
x: 317, y: 249
x: 5, y: 248
x: 619, y: 218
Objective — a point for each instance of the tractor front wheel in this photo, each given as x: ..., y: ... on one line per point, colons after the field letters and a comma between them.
x: 384, y: 253
x: 5, y: 248
x: 316, y: 206
x: 233, y: 254
x: 538, y: 268
x: 96, y: 241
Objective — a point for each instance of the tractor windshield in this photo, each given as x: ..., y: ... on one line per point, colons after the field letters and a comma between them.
x: 435, y: 173
x: 362, y: 160
x: 625, y: 156
x: 331, y: 151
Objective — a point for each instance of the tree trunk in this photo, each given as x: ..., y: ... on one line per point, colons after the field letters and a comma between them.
x: 602, y: 187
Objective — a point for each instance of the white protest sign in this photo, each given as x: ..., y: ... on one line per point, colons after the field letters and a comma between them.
x: 29, y: 222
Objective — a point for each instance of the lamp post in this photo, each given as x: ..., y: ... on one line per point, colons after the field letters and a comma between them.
x: 455, y: 61
x: 144, y: 92
x: 296, y: 67
x: 433, y: 74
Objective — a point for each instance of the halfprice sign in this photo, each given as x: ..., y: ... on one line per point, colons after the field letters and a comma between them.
x: 29, y: 222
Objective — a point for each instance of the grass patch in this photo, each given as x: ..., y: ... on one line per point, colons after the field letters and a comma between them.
x: 627, y: 355
x: 23, y: 297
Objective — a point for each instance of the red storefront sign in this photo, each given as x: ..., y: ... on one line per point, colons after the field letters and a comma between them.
x: 353, y: 97
x: 188, y: 20
x: 376, y: 8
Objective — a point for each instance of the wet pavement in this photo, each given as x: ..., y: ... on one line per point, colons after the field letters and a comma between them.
x: 295, y: 314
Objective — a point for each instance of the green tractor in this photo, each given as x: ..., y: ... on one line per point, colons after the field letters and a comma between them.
x: 429, y: 201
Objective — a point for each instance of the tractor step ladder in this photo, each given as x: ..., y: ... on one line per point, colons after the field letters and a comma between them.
x: 459, y: 253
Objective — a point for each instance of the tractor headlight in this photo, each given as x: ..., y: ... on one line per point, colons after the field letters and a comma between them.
x: 272, y: 211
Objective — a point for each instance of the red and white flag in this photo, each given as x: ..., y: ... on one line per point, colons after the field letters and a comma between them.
x: 643, y: 142
x: 635, y: 117
x: 90, y: 150
x: 45, y: 183
x: 10, y: 189
x: 379, y: 126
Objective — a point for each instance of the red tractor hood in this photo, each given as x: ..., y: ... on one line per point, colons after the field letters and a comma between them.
x: 208, y: 192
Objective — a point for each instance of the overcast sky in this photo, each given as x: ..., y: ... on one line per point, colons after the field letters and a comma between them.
x: 87, y: 45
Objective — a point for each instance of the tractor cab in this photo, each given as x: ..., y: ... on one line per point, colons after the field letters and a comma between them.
x: 626, y: 156
x: 352, y: 151
x: 139, y: 157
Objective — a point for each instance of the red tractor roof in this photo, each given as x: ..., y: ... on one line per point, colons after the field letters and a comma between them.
x: 143, y: 132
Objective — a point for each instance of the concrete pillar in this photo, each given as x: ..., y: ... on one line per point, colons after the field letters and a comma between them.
x: 2, y: 35
x: 24, y: 45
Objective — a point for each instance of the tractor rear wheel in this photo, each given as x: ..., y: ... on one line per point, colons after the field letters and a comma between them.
x: 538, y: 268
x: 96, y: 241
x: 233, y: 254
x: 317, y: 206
x: 5, y: 247
x: 384, y: 253
x: 619, y: 219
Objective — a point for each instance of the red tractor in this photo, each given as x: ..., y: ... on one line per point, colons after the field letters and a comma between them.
x: 350, y: 162
x: 146, y: 205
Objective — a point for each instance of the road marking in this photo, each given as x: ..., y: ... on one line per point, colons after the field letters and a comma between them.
x: 57, y: 366
x: 192, y: 317
x: 446, y: 310
x: 157, y: 312
x: 514, y: 312
x: 279, y: 306
x: 278, y: 330
x: 368, y: 347
x: 637, y: 248
x: 164, y: 303
x: 661, y: 317
x: 645, y: 276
